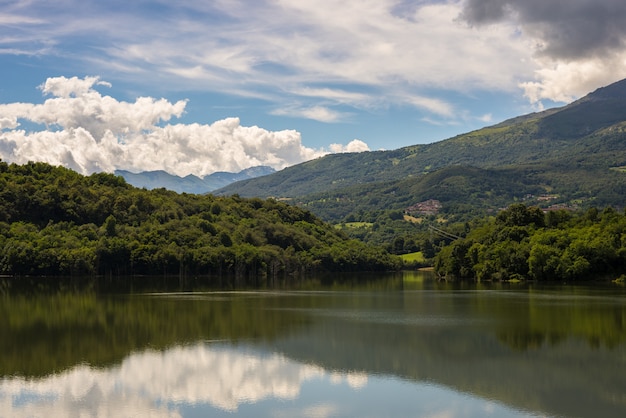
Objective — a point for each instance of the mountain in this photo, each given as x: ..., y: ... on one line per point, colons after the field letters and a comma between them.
x: 575, y: 154
x: 190, y: 184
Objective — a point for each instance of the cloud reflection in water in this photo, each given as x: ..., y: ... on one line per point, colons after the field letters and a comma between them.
x: 154, y: 383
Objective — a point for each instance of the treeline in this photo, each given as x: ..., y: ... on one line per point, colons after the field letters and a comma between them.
x: 522, y: 242
x: 54, y: 221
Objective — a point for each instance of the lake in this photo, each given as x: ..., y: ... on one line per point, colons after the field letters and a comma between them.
x: 393, y: 345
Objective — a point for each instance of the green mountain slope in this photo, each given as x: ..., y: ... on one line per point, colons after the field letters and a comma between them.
x: 461, y: 189
x: 573, y: 152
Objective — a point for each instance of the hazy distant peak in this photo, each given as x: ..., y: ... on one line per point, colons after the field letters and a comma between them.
x: 190, y: 183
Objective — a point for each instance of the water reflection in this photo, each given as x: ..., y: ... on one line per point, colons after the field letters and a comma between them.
x: 218, y: 379
x: 396, y: 346
x: 152, y: 380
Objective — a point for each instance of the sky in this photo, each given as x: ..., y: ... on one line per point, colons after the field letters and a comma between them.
x: 194, y: 87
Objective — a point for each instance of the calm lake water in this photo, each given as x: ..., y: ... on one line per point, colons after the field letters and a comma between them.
x: 400, y: 345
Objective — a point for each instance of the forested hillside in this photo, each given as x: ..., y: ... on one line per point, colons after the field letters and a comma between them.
x: 575, y: 154
x: 54, y: 221
x: 522, y: 242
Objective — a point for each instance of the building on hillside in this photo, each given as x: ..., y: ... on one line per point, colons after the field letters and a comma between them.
x: 425, y: 208
x: 560, y: 206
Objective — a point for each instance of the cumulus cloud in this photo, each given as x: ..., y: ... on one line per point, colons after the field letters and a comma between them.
x: 356, y: 145
x: 72, y: 87
x: 566, y: 81
x: 82, y: 129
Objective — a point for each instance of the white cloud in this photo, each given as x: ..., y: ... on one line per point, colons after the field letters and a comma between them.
x: 318, y: 113
x: 563, y: 81
x: 338, y: 95
x: 13, y: 19
x: 436, y: 106
x: 325, y: 55
x: 89, y: 132
x: 356, y: 145
x: 69, y: 87
x: 304, y: 47
x: 488, y: 117
x: 8, y: 122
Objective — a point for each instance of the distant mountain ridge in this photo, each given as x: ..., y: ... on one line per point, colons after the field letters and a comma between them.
x: 190, y: 184
x: 577, y: 152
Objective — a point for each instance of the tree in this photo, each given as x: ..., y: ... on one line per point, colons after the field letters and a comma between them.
x: 110, y: 225
x: 519, y: 214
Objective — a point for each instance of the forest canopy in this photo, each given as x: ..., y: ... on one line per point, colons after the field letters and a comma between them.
x: 522, y: 242
x: 54, y: 221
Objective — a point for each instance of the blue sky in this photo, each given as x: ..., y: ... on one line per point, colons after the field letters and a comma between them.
x: 278, y: 82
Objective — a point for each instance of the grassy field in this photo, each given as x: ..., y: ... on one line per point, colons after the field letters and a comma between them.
x: 355, y: 225
x: 417, y: 257
x: 412, y: 219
